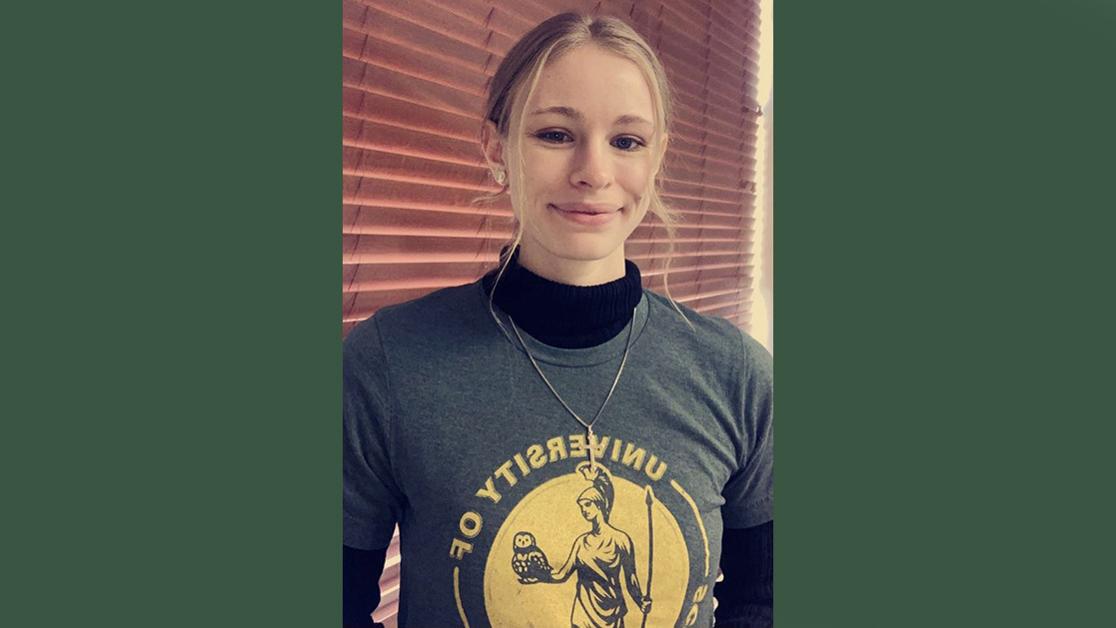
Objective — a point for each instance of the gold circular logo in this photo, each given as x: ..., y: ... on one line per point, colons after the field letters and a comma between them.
x: 574, y: 551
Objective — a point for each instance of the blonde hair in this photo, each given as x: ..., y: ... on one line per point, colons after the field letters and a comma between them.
x: 515, y: 81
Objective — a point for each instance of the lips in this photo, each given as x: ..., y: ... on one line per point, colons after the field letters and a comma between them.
x: 586, y: 208
x: 585, y: 215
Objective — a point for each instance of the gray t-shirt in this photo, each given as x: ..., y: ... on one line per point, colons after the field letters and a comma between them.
x: 451, y: 433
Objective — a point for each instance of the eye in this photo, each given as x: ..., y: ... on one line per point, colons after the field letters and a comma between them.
x: 632, y: 143
x: 552, y: 137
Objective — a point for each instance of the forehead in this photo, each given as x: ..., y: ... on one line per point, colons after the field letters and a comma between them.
x: 600, y: 84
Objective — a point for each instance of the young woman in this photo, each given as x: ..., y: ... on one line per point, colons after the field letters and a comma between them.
x: 492, y: 421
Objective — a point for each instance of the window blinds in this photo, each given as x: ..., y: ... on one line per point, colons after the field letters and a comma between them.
x: 414, y: 76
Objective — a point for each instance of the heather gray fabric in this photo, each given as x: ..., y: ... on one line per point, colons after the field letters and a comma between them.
x: 450, y: 432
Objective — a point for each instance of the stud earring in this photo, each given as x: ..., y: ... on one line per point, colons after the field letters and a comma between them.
x: 498, y: 175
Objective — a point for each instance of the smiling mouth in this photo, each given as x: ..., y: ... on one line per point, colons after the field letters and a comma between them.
x: 587, y: 219
x: 583, y: 212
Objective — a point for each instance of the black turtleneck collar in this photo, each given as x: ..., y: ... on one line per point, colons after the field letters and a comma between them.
x: 561, y: 315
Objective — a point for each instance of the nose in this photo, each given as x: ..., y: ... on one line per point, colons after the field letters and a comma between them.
x: 591, y: 168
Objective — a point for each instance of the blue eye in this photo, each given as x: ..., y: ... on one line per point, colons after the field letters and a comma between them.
x: 635, y: 144
x: 548, y: 136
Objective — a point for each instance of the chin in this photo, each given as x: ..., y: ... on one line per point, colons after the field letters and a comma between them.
x: 584, y: 249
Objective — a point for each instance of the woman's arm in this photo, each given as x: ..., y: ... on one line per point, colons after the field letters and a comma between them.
x: 372, y: 499
x: 360, y: 584
x: 631, y: 578
x: 563, y: 573
x: 744, y: 597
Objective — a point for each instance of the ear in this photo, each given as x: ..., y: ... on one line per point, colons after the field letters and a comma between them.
x: 493, y: 145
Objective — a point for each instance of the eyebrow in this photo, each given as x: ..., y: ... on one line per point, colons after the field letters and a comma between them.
x: 570, y: 112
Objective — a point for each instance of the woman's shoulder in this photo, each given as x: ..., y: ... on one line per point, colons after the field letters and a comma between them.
x: 437, y: 304
x: 621, y: 538
x: 435, y: 313
x: 712, y: 336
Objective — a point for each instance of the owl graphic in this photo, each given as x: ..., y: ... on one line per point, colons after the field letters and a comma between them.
x: 529, y: 562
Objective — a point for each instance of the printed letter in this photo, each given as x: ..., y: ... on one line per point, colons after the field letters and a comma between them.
x: 458, y: 549
x: 557, y: 446
x: 537, y: 456
x: 522, y: 464
x: 470, y: 524
x: 505, y: 472
x: 657, y: 474
x: 489, y: 491
x: 634, y: 459
x: 600, y: 446
x: 577, y: 446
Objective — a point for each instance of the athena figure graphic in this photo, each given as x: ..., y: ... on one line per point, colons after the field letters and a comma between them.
x: 603, y: 559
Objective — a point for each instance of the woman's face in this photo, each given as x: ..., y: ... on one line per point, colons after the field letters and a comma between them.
x: 589, y: 509
x: 590, y: 152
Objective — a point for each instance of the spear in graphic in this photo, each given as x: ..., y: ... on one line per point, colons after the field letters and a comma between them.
x: 649, y: 497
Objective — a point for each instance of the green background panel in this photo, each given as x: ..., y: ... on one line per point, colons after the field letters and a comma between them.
x: 172, y: 237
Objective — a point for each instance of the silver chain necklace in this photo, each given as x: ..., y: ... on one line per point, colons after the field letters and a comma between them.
x: 588, y: 426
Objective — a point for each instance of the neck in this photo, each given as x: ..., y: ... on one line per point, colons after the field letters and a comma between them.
x: 572, y: 272
x: 565, y: 315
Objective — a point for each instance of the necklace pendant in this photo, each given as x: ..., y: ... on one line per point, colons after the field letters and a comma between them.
x: 589, y: 440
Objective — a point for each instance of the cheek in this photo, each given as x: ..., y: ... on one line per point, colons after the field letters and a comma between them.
x: 635, y: 178
x: 539, y: 183
x: 636, y: 181
x: 542, y: 167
